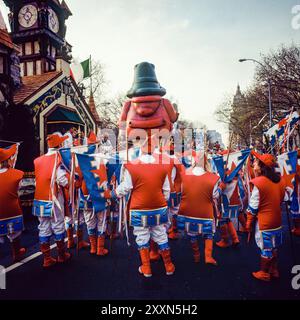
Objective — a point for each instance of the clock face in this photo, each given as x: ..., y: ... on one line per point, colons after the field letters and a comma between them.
x: 28, y: 16
x: 53, y: 21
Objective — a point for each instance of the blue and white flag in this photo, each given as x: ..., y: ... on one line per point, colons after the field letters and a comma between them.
x: 94, y: 172
x: 236, y: 160
x: 113, y: 166
x: 66, y: 154
x: 278, y: 131
x: 287, y: 163
x: 287, y: 166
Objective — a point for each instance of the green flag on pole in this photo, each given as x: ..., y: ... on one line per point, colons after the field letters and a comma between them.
x: 81, y: 70
x: 86, y: 67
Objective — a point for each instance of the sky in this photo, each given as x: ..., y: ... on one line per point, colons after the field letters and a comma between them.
x: 194, y: 44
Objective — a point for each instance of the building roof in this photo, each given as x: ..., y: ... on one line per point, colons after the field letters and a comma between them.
x: 93, y: 109
x: 4, y: 36
x: 64, y: 115
x: 5, y: 39
x: 32, y: 84
x: 67, y: 9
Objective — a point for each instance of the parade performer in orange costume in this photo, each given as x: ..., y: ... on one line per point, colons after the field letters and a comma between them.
x: 48, y: 205
x: 268, y: 193
x: 11, y: 217
x: 148, y: 211
x: 175, y: 195
x: 196, y: 212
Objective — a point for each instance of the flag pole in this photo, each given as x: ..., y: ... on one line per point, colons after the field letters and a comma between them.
x: 91, y: 79
x: 11, y: 142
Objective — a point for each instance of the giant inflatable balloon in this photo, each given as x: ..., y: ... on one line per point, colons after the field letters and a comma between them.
x: 146, y: 107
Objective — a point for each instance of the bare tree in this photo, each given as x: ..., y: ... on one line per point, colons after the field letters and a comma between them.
x: 248, y: 119
x: 97, y: 83
x: 110, y: 109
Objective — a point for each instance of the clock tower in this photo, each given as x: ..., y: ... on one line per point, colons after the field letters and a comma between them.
x: 38, y: 27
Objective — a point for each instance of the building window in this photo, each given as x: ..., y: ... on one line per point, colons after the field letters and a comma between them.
x: 28, y: 48
x: 30, y: 68
x: 38, y: 67
x: 36, y: 47
x: 53, y: 53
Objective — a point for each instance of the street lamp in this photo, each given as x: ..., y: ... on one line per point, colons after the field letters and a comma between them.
x: 252, y: 128
x: 269, y: 88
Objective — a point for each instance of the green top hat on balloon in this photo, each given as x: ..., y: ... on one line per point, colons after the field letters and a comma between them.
x: 145, y: 82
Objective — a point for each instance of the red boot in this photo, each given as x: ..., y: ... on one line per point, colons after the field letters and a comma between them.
x: 169, y: 266
x: 154, y: 254
x: 296, y: 230
x: 81, y: 243
x: 93, y: 241
x: 274, y: 266
x: 233, y: 234
x: 101, y: 251
x: 145, y: 268
x: 48, y: 260
x: 264, y: 273
x: 70, y: 236
x: 224, y: 242
x: 172, y: 234
x: 196, y: 251
x: 208, y: 252
x: 242, y: 221
x: 63, y: 256
x: 17, y: 252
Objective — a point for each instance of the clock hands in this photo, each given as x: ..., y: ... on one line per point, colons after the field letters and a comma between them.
x: 27, y: 15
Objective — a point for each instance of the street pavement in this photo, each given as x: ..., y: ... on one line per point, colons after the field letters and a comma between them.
x: 116, y: 276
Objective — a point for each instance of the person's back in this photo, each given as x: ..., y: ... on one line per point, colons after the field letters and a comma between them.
x: 9, y: 184
x: 271, y: 197
x: 43, y: 167
x: 197, y: 194
x: 148, y: 180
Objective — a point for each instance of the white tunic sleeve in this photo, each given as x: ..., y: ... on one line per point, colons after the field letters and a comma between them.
x: 254, y: 201
x: 166, y: 188
x: 61, y: 177
x: 125, y: 186
x: 216, y: 191
x: 288, y: 194
x: 173, y: 175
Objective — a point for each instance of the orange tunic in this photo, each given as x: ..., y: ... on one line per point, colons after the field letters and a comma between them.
x: 270, y: 197
x: 43, y: 167
x: 197, y: 195
x: 9, y: 201
x: 148, y: 180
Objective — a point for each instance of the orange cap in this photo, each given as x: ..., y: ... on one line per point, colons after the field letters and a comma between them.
x: 5, y: 154
x: 55, y: 140
x: 267, y: 159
